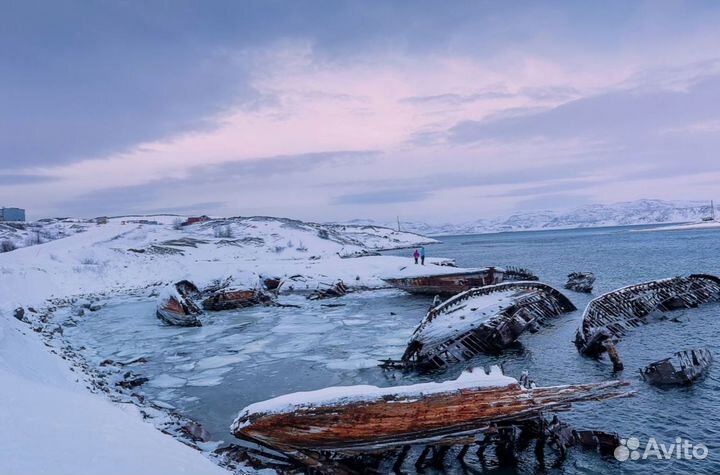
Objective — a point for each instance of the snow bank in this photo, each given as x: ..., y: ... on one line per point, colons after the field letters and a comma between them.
x: 52, y: 425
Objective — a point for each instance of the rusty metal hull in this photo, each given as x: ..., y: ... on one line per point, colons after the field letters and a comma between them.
x: 176, y: 307
x: 402, y: 420
x: 233, y: 299
x: 173, y: 314
x: 451, y: 284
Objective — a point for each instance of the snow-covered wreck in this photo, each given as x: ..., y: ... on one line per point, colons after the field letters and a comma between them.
x: 175, y: 305
x: 609, y: 316
x: 481, y: 320
x: 317, y: 428
x: 453, y: 283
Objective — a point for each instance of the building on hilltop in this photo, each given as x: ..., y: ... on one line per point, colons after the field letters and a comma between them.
x: 12, y: 214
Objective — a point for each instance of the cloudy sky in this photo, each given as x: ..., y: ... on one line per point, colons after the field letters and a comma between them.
x: 333, y: 110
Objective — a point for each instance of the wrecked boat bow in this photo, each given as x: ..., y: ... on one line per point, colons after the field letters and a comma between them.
x: 175, y: 305
x: 481, y: 320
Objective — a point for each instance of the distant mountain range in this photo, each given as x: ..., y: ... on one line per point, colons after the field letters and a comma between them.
x: 589, y: 216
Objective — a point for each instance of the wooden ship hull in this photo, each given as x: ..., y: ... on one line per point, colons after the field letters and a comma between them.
x: 451, y: 284
x: 367, y: 418
x: 481, y: 320
x: 682, y: 368
x: 176, y: 307
x: 609, y: 316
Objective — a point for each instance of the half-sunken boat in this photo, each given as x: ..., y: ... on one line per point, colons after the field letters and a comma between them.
x: 228, y: 299
x: 580, y: 282
x: 175, y: 305
x: 456, y: 282
x: 363, y: 419
x: 327, y: 291
x: 681, y: 368
x: 609, y: 316
x: 481, y: 320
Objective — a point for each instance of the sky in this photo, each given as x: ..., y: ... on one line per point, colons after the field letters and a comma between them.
x: 335, y: 110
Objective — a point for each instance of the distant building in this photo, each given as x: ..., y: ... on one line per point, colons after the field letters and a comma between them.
x: 101, y: 220
x: 12, y: 214
x: 196, y: 219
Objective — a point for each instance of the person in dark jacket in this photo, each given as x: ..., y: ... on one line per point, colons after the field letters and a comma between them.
x: 422, y: 255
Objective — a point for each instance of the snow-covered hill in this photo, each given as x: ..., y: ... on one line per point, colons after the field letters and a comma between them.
x: 127, y: 254
x: 14, y: 235
x: 588, y: 216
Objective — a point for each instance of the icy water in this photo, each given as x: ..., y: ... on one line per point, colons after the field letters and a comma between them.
x: 240, y: 357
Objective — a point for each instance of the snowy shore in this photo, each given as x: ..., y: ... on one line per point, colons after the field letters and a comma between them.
x: 701, y: 226
x: 58, y: 425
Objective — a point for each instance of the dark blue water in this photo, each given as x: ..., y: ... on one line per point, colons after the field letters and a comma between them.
x: 240, y: 357
x: 618, y: 257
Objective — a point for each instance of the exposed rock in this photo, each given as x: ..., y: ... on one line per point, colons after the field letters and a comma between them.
x: 19, y: 313
x: 131, y: 381
x: 196, y: 431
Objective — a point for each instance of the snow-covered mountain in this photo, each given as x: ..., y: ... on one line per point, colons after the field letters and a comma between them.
x: 588, y: 216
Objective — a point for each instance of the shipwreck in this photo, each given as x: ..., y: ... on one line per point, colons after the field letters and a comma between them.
x: 175, y: 305
x: 327, y: 291
x: 317, y: 429
x: 229, y: 298
x: 456, y: 282
x: 481, y: 320
x: 682, y: 368
x: 580, y: 282
x: 609, y: 316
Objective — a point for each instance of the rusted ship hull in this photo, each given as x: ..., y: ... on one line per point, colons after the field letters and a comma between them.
x: 451, y: 284
x: 482, y: 320
x: 173, y: 314
x: 682, y: 368
x: 397, y: 420
x: 176, y: 307
x: 232, y: 299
